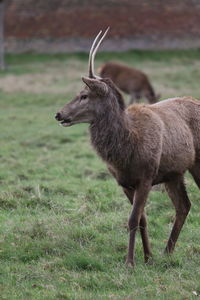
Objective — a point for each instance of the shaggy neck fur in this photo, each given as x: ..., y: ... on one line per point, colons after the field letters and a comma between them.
x: 110, y: 134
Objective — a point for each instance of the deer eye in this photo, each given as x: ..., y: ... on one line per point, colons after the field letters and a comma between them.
x: 84, y: 97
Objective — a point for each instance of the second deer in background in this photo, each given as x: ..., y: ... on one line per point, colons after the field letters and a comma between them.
x: 130, y: 80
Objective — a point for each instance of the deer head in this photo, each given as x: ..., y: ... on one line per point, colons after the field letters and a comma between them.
x: 84, y: 107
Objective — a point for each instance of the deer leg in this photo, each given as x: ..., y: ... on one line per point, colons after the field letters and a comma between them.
x: 143, y: 227
x: 177, y: 192
x: 136, y: 219
x: 150, y: 95
x: 145, y: 238
x: 134, y: 97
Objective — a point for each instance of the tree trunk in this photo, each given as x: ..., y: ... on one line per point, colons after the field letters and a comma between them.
x: 2, y: 63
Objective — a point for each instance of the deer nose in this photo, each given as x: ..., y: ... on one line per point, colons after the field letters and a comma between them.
x: 58, y: 116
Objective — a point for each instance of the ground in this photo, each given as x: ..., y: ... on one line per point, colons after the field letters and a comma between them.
x: 63, y: 219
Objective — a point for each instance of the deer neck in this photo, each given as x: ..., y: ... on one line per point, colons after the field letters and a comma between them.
x: 111, y: 136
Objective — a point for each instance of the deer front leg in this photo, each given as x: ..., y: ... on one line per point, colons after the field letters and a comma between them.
x: 134, y: 97
x: 143, y: 227
x: 137, y: 217
x: 145, y: 238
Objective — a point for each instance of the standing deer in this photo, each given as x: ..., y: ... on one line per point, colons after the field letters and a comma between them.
x: 130, y: 80
x: 142, y: 145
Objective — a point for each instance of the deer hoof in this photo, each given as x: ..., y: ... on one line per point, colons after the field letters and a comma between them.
x: 130, y: 263
x: 148, y: 260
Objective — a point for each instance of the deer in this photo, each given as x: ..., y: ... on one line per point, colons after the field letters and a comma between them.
x: 143, y: 145
x: 129, y: 80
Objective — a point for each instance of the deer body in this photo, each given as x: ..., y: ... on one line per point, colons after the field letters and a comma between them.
x: 152, y: 139
x: 130, y: 80
x: 142, y: 145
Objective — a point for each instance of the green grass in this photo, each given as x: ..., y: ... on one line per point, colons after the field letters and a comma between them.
x: 63, y: 232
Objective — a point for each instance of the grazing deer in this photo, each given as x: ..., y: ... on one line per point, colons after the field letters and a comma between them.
x: 130, y: 81
x: 143, y: 145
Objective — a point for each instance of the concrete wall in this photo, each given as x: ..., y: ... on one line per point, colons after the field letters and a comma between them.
x: 69, y: 25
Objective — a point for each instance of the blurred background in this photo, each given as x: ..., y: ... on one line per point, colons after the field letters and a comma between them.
x: 69, y: 25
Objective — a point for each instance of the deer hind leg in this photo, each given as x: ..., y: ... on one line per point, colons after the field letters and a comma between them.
x: 177, y: 192
x: 143, y: 227
x: 137, y: 219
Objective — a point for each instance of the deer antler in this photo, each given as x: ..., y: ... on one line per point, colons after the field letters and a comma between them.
x: 93, y: 51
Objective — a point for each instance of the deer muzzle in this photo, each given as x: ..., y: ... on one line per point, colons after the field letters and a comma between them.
x: 63, y: 121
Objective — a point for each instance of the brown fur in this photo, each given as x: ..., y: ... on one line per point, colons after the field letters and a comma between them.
x: 129, y: 80
x: 142, y: 145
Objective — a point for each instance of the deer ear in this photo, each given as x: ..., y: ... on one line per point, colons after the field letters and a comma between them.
x: 96, y: 85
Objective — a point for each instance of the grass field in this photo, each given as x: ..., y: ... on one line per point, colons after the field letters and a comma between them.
x: 63, y: 232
